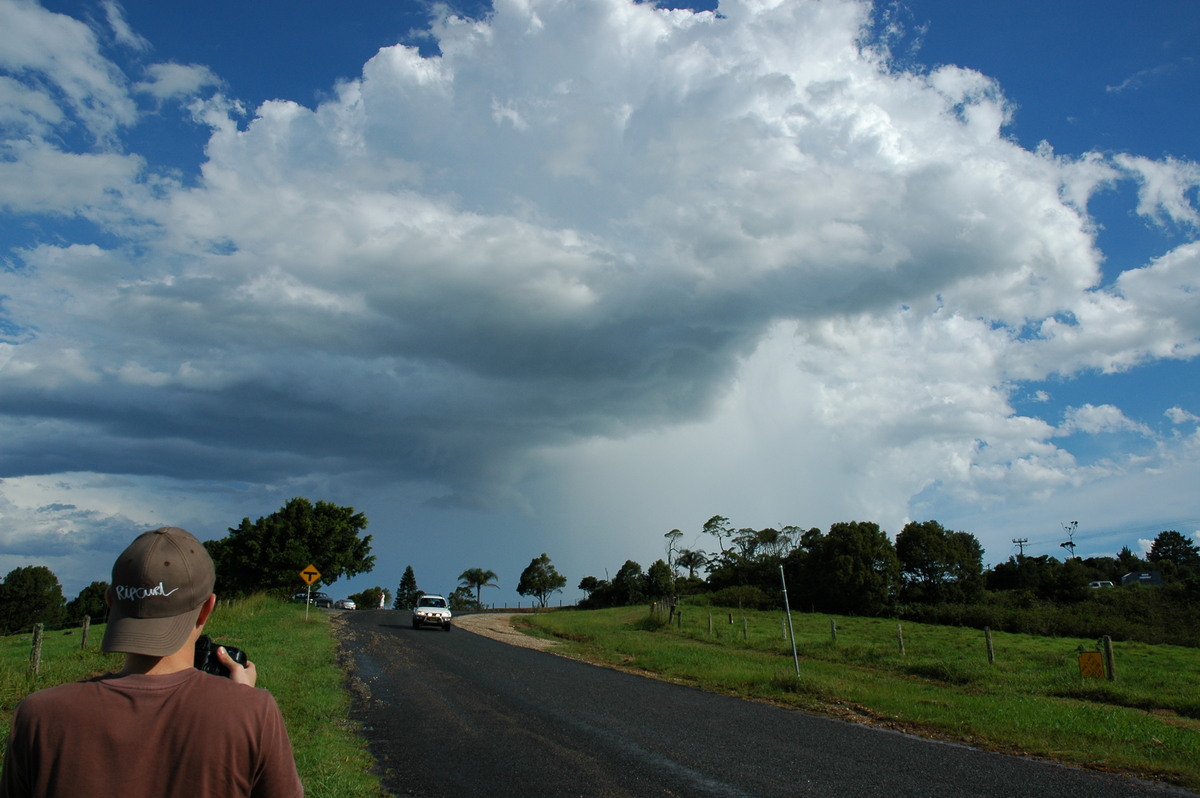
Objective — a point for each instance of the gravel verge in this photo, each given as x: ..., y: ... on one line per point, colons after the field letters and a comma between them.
x: 498, y: 626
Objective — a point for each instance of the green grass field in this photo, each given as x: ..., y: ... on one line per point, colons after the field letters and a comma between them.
x: 1031, y: 700
x: 297, y: 662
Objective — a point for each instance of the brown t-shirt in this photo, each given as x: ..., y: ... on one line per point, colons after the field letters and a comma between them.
x: 187, y: 734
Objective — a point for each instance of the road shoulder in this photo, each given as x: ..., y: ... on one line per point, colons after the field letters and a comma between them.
x: 498, y: 626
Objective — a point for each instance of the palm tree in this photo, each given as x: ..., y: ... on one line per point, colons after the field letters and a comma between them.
x: 691, y: 560
x: 478, y: 579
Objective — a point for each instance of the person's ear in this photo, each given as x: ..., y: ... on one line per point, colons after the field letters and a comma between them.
x: 206, y: 609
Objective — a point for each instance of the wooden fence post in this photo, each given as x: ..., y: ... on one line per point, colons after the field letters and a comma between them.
x: 710, y: 625
x: 745, y: 628
x: 35, y: 656
x: 991, y: 652
x: 1110, y: 665
x: 900, y: 638
x: 833, y: 629
x: 87, y: 625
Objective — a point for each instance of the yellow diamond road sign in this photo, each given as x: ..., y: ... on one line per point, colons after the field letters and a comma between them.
x: 310, y: 575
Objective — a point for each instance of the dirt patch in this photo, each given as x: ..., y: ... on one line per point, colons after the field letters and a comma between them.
x: 498, y: 626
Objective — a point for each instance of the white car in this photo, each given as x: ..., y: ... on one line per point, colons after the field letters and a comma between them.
x: 345, y: 604
x: 431, y: 610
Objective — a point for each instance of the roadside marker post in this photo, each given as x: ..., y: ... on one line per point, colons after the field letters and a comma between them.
x: 787, y: 607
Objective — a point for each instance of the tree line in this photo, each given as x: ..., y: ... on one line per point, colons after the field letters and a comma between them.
x: 929, y: 573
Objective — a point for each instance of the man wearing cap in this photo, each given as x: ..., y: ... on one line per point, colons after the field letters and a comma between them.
x: 159, y: 728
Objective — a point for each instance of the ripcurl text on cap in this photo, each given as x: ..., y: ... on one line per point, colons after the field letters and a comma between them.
x: 158, y: 586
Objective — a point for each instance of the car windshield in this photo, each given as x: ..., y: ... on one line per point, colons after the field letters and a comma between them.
x: 431, y: 602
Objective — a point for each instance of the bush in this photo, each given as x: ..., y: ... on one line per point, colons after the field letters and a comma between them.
x: 745, y: 597
x: 1168, y: 614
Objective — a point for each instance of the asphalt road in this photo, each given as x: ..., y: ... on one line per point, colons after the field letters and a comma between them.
x: 457, y: 714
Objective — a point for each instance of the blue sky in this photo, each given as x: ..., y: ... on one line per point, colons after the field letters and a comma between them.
x: 563, y: 277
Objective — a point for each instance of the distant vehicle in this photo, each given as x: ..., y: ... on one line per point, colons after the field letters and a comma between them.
x: 316, y: 599
x: 1100, y: 583
x: 431, y: 610
x: 345, y: 604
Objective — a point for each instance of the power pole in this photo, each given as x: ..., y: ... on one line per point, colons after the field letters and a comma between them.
x: 1020, y: 545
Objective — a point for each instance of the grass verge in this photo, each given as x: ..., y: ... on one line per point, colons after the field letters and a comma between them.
x: 1031, y: 700
x: 297, y: 662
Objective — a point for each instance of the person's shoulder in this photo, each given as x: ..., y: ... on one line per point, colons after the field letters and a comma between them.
x: 62, y: 694
x: 221, y: 688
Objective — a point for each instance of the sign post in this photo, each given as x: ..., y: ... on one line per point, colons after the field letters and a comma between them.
x: 309, y: 575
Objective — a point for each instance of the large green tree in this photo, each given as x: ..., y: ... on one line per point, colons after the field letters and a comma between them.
x: 853, y: 569
x: 477, y: 578
x: 629, y: 585
x: 659, y: 581
x: 269, y: 554
x: 89, y: 602
x: 407, y: 593
x: 540, y: 579
x: 937, y: 564
x: 30, y: 594
x: 1174, y: 547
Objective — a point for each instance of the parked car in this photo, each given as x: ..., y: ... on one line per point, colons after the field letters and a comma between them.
x: 316, y: 599
x: 345, y: 604
x: 431, y: 610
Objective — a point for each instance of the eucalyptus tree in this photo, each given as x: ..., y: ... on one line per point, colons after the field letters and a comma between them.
x: 540, y: 579
x: 718, y: 526
x: 672, y: 538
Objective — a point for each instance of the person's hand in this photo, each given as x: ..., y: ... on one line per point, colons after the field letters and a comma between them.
x: 246, y: 675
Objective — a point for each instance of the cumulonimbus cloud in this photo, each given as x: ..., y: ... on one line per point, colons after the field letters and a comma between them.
x: 576, y: 220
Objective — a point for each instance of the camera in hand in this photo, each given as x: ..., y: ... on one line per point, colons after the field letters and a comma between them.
x: 206, y: 656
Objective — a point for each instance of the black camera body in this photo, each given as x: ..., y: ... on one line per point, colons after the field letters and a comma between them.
x: 206, y: 656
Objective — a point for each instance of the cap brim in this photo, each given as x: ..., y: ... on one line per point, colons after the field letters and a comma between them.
x: 156, y: 637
